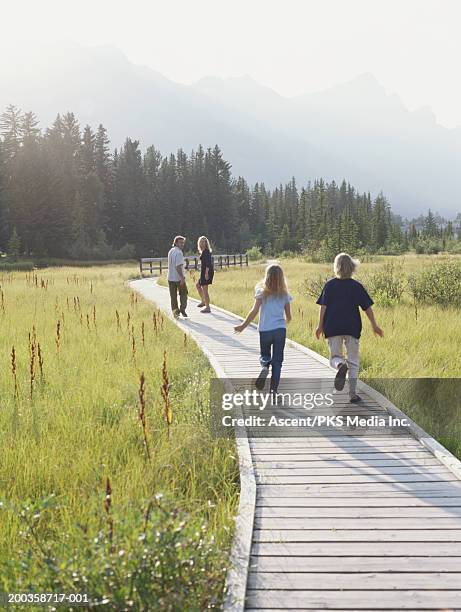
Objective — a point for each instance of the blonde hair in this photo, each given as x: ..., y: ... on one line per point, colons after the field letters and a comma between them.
x: 344, y: 266
x: 176, y: 238
x: 208, y: 246
x: 274, y: 282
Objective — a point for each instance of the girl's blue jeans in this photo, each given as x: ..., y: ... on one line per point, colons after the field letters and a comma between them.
x: 272, y: 344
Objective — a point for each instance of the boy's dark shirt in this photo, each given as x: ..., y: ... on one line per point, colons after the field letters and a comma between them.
x: 342, y: 297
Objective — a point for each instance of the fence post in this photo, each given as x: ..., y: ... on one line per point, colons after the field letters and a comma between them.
x: 235, y: 262
x: 228, y: 260
x: 196, y: 262
x: 240, y: 262
x: 160, y: 267
x: 246, y: 258
x: 220, y: 261
x: 140, y: 266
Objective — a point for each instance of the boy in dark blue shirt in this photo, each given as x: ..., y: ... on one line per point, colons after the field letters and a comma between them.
x: 341, y: 323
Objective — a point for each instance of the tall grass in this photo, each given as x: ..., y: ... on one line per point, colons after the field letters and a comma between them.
x: 72, y: 429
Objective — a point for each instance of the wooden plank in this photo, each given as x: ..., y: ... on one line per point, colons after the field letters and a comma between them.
x: 356, y: 549
x: 329, y: 453
x: 344, y: 501
x: 357, y: 512
x: 394, y: 441
x: 360, y: 440
x: 386, y: 488
x: 354, y: 600
x: 296, y: 429
x: 355, y: 564
x: 300, y: 581
x: 352, y: 454
x: 355, y: 464
x: 349, y: 479
x: 342, y: 470
x: 338, y: 523
x: 357, y: 535
x: 302, y: 443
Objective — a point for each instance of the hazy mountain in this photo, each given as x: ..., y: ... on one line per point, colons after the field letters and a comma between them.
x: 353, y: 130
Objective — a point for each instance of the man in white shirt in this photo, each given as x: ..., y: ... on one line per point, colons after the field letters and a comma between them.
x: 176, y: 277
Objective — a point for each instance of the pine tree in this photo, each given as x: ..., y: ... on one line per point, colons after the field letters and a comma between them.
x: 28, y: 128
x: 431, y: 229
x: 11, y: 122
x: 13, y: 248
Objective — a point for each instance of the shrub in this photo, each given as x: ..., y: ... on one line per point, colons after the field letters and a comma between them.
x: 428, y: 247
x: 321, y: 253
x: 255, y: 253
x: 438, y: 284
x: 313, y: 285
x: 393, y: 248
x: 288, y: 254
x: 454, y: 247
x: 386, y: 284
x: 8, y: 266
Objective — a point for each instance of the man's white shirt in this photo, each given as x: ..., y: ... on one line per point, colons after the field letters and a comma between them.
x: 175, y: 258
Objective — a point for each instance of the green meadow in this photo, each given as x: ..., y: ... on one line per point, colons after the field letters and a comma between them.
x: 110, y: 482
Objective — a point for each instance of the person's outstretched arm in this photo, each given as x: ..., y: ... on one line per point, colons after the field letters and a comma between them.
x: 250, y: 316
x: 319, y: 330
x: 371, y: 315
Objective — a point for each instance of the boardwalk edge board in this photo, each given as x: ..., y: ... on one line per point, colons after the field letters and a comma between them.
x: 237, y: 575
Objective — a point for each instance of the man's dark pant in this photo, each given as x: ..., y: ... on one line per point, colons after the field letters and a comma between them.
x: 174, y: 287
x: 272, y: 344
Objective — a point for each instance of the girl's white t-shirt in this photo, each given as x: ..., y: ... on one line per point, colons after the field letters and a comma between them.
x: 272, y: 311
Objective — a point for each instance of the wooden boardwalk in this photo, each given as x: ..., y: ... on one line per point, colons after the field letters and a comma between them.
x: 340, y: 522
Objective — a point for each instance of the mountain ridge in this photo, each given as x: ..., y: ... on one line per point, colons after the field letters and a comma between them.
x: 353, y: 130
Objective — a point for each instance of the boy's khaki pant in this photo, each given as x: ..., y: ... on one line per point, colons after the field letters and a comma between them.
x: 351, y: 344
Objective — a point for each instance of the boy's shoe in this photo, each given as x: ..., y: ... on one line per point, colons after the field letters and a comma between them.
x: 176, y: 314
x: 200, y: 304
x: 206, y: 310
x: 261, y: 380
x: 355, y: 399
x: 184, y: 313
x: 340, y: 378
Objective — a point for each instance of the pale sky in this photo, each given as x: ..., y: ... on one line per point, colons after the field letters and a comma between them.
x: 413, y: 47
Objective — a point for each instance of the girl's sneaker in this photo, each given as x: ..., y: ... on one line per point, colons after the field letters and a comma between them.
x: 261, y: 380
x: 340, y: 378
x: 206, y: 310
x: 355, y: 399
x: 200, y: 304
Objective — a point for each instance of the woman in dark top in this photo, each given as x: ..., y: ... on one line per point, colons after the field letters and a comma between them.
x: 206, y: 273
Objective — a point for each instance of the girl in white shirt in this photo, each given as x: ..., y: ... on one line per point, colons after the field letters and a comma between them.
x: 272, y: 301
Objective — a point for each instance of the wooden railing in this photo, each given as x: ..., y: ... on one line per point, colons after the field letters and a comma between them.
x: 158, y: 264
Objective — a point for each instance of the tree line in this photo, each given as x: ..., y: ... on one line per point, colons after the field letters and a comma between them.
x: 65, y: 193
